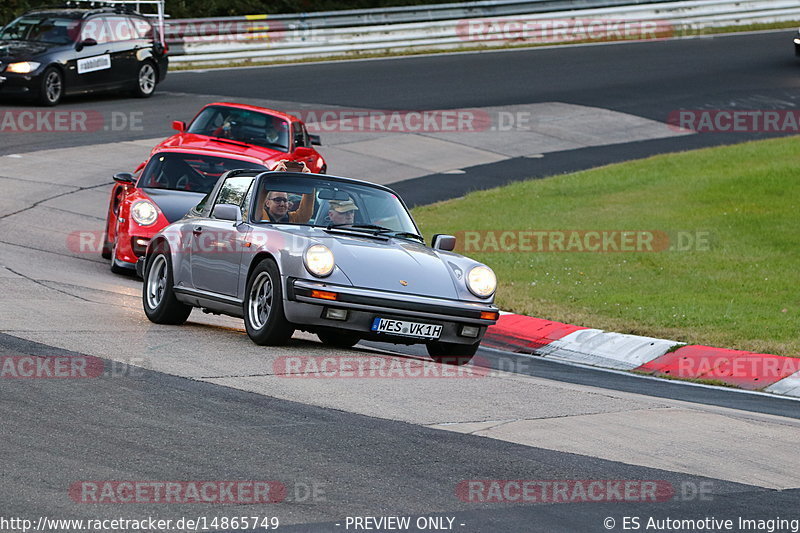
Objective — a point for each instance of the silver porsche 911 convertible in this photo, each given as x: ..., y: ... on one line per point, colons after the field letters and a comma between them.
x: 338, y: 257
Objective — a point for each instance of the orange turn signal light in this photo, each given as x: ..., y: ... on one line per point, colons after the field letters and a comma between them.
x: 324, y: 295
x: 489, y: 315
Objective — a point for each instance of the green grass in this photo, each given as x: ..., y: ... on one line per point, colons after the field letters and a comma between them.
x: 740, y: 291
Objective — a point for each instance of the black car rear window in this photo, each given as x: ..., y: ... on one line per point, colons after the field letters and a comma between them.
x: 188, y: 172
x: 43, y: 29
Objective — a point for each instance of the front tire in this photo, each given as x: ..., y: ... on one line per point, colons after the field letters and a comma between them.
x: 52, y: 87
x: 338, y: 339
x: 116, y: 269
x: 108, y: 246
x: 146, y: 80
x: 264, y: 318
x: 158, y: 297
x: 451, y: 353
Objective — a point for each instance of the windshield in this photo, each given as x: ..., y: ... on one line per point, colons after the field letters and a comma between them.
x: 333, y: 205
x: 43, y: 29
x: 242, y: 125
x: 188, y: 172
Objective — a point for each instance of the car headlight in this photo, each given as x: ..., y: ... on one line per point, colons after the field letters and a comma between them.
x: 23, y: 67
x: 481, y: 281
x: 144, y: 212
x: 319, y: 260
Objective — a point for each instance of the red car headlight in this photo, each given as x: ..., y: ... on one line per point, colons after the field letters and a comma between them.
x: 144, y: 212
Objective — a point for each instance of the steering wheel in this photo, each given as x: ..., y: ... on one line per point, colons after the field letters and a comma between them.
x: 182, y: 182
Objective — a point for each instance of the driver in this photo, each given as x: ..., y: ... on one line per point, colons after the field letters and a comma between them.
x: 342, y: 212
x: 275, y: 132
x: 276, y: 205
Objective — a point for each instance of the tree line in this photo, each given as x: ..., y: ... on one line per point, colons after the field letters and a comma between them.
x: 10, y: 9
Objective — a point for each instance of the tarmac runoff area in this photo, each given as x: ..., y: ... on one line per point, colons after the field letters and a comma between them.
x: 66, y: 298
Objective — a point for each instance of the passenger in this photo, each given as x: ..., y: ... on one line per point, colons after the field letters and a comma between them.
x: 342, y: 212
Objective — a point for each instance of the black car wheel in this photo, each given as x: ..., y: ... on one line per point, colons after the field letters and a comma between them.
x: 158, y: 296
x: 264, y: 318
x: 146, y: 79
x: 338, y: 339
x: 451, y: 353
x: 52, y: 87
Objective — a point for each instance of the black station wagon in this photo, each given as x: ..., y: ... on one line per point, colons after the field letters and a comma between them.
x: 46, y: 54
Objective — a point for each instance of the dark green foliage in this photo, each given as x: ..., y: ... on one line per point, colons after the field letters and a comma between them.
x: 9, y: 9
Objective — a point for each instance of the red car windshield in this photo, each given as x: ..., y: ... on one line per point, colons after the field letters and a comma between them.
x: 188, y: 172
x: 242, y: 125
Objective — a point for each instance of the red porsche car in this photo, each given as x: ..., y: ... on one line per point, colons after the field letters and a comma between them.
x: 161, y: 190
x: 258, y: 132
x: 184, y: 168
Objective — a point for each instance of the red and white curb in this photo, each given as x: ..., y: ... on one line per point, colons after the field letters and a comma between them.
x: 657, y: 357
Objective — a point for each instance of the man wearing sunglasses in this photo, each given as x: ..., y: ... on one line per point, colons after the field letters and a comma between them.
x: 277, y: 203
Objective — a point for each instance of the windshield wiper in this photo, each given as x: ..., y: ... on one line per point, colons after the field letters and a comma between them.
x: 228, y: 141
x: 379, y: 230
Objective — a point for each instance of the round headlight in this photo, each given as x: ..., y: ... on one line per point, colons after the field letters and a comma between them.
x: 144, y: 212
x: 481, y: 281
x: 319, y: 260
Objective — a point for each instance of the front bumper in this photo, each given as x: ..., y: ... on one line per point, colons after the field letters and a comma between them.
x: 364, y: 305
x: 19, y: 84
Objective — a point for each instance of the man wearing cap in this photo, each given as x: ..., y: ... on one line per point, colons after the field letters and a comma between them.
x: 342, y: 212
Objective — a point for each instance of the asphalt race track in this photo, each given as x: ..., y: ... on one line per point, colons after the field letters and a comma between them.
x: 201, y: 403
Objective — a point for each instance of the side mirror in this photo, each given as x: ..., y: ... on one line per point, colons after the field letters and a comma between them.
x: 303, y: 152
x: 315, y: 140
x: 229, y: 212
x: 179, y: 125
x: 84, y: 43
x: 446, y: 243
x: 126, y: 178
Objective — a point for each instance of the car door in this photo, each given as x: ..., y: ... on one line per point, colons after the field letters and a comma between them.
x: 123, y: 49
x: 217, y: 245
x: 90, y: 66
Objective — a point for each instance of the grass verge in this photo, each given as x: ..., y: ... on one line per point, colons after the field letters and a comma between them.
x: 728, y: 277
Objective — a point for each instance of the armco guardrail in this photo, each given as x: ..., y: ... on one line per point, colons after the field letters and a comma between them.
x: 289, y: 37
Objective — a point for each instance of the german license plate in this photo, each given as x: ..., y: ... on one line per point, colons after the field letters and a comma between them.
x: 406, y: 329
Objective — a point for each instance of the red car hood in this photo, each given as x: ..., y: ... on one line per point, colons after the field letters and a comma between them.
x: 191, y: 140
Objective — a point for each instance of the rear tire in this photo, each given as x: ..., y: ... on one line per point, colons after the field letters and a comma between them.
x: 158, y: 297
x: 146, y: 80
x: 338, y: 339
x: 264, y: 318
x: 449, y: 353
x: 51, y: 89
